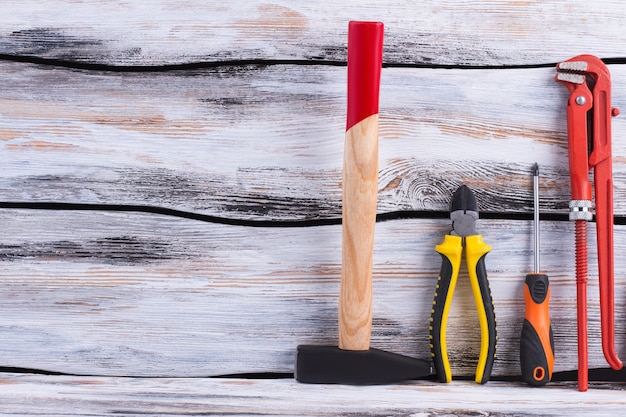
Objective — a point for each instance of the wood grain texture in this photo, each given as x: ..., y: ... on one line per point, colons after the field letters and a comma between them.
x: 70, y: 396
x: 360, y: 195
x: 143, y: 295
x: 267, y: 142
x: 165, y: 32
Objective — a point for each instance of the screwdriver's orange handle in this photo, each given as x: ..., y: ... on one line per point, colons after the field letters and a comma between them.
x: 537, y: 342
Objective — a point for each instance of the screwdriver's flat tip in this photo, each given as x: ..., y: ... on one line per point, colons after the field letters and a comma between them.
x: 536, y: 169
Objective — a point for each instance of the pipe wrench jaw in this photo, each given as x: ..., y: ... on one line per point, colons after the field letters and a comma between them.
x: 589, y: 114
x: 573, y: 74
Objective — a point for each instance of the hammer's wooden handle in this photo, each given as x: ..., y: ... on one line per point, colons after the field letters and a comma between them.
x: 360, y: 184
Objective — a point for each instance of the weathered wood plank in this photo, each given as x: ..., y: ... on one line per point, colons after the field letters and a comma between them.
x: 141, y: 295
x: 267, y: 142
x: 100, y: 396
x: 456, y: 32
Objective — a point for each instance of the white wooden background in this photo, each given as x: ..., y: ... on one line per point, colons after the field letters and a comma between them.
x: 170, y: 198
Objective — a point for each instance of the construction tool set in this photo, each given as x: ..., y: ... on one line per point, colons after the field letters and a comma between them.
x: 589, y: 114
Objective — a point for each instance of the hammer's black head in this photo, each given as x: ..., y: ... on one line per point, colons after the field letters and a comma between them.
x: 331, y: 365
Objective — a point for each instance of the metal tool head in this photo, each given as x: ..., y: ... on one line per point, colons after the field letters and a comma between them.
x: 536, y: 236
x: 581, y: 74
x: 463, y: 212
x: 331, y: 365
x: 581, y: 65
x: 572, y: 71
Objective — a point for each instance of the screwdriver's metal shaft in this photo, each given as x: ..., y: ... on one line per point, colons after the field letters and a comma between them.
x: 536, y: 215
x: 537, y: 342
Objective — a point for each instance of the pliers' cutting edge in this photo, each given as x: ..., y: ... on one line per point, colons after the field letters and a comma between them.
x: 589, y: 114
x: 463, y: 213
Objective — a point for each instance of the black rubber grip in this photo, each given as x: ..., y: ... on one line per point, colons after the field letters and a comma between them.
x: 438, y: 322
x: 537, y: 340
x: 490, y: 314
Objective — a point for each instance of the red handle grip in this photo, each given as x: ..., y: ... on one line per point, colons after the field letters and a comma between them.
x: 365, y: 57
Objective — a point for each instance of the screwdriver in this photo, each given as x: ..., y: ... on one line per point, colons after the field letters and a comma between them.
x: 536, y: 342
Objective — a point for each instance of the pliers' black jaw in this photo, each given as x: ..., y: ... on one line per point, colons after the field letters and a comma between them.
x: 463, y: 212
x: 463, y: 199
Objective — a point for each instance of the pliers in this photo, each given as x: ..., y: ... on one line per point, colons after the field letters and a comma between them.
x: 463, y: 213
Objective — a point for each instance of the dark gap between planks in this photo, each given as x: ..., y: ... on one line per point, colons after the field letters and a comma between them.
x: 595, y: 375
x: 207, y: 218
x: 53, y: 62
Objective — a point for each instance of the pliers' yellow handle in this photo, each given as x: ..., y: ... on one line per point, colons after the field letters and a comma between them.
x: 475, y: 251
x: 451, y: 250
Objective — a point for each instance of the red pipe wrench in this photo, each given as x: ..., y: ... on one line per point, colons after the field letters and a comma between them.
x: 589, y: 115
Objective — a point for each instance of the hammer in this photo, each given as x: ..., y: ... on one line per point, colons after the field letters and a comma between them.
x: 354, y: 362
